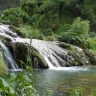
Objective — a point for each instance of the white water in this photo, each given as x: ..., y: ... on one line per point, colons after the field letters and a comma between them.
x: 49, y: 51
x: 5, y: 32
x: 8, y: 57
x: 53, y: 54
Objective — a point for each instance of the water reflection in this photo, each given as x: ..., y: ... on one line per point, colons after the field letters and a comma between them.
x: 63, y: 81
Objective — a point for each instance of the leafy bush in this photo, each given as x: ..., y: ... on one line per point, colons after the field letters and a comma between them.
x: 15, y: 16
x: 63, y: 27
x: 28, y: 31
x: 77, y: 34
x: 80, y: 26
x: 30, y: 6
x: 17, y: 85
x: 72, y: 38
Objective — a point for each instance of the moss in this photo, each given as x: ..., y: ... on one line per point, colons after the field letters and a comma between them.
x: 20, y: 53
x: 3, y: 67
x: 67, y: 46
x: 42, y: 62
x: 79, y: 58
x: 17, y: 30
x: 74, y: 63
x: 64, y: 45
x: 91, y: 55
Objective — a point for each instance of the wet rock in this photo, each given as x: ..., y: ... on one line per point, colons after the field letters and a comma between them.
x: 20, y: 52
x: 41, y: 53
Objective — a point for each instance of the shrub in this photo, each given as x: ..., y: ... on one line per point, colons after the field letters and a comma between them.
x: 28, y: 31
x: 63, y: 27
x: 17, y: 85
x: 77, y: 34
x: 30, y: 6
x: 72, y: 38
x: 80, y: 26
x: 14, y: 16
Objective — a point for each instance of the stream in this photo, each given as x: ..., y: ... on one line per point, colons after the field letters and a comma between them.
x: 59, y: 79
x: 62, y: 82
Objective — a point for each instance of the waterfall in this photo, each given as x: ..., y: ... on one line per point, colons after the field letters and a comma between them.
x: 54, y: 55
x: 50, y: 51
x: 8, y: 57
x: 5, y: 32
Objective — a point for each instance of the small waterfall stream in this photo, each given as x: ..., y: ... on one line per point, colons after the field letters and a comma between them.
x: 50, y: 51
x: 8, y: 57
x: 53, y: 54
x: 5, y: 32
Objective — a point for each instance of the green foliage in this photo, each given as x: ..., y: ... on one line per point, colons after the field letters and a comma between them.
x: 88, y: 9
x: 63, y: 28
x: 92, y: 34
x: 91, y: 54
x: 28, y: 31
x: 3, y: 67
x: 78, y: 54
x: 92, y: 43
x: 49, y: 92
x: 36, y: 20
x: 74, y: 39
x: 30, y: 7
x: 76, y: 34
x: 76, y: 92
x: 80, y: 27
x: 17, y: 85
x: 21, y: 84
x: 15, y: 16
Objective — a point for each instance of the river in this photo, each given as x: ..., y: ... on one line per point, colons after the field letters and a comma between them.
x: 62, y: 82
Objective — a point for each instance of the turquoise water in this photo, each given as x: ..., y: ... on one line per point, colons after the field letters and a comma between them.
x: 62, y: 81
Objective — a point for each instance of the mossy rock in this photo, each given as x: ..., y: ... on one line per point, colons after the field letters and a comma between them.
x: 20, y: 53
x: 80, y: 59
x: 15, y: 29
x: 91, y: 55
x: 64, y: 45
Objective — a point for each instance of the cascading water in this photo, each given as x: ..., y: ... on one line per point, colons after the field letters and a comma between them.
x: 5, y: 32
x: 8, y: 57
x: 50, y: 51
x: 53, y: 54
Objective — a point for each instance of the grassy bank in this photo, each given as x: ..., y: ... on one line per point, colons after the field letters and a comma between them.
x: 3, y: 67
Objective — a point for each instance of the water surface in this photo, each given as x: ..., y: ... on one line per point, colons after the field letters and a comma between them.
x: 62, y: 81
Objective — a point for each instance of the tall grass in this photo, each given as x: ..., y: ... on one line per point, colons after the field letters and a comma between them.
x: 3, y: 67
